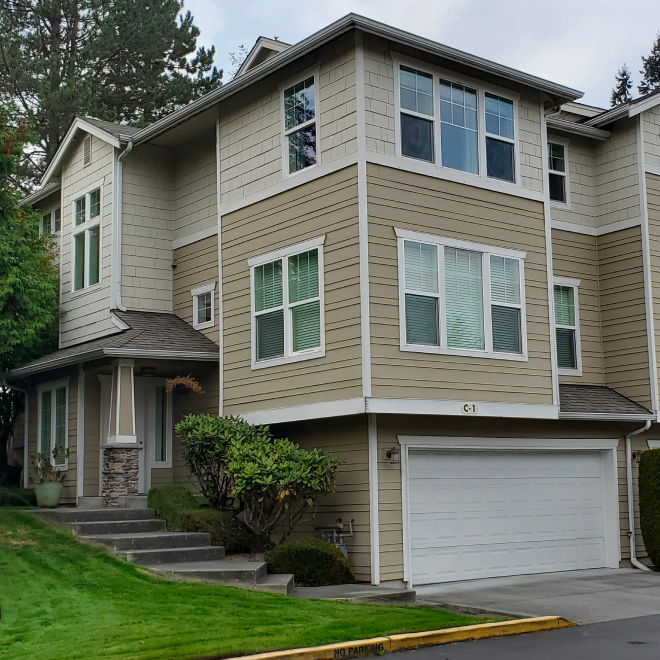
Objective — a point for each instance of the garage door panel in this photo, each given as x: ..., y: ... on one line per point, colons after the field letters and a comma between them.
x: 480, y: 514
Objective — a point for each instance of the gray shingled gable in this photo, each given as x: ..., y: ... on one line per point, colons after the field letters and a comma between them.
x: 597, y: 400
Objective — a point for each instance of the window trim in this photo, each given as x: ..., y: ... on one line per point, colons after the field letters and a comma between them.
x: 564, y: 142
x: 575, y: 285
x: 154, y: 464
x: 53, y: 386
x: 85, y: 227
x: 195, y: 293
x: 486, y: 251
x: 482, y: 88
x: 50, y: 210
x: 311, y: 72
x: 283, y: 254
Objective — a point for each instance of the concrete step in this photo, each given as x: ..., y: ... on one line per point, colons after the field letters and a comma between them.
x: 116, y: 527
x: 132, y: 501
x: 242, y: 574
x: 72, y: 515
x: 151, y: 540
x: 276, y: 584
x: 170, y: 556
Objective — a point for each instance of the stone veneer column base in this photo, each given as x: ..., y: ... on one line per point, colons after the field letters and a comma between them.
x: 121, y: 468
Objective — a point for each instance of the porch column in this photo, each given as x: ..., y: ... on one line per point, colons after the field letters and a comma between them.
x: 121, y: 452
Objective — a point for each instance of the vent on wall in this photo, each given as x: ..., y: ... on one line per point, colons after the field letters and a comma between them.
x: 87, y: 150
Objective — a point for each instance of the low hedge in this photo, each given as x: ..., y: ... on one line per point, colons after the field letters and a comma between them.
x: 183, y: 513
x: 649, y: 503
x: 17, y: 497
x: 314, y: 562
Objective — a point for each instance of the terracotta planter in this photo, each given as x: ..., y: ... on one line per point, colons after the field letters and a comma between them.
x: 49, y: 494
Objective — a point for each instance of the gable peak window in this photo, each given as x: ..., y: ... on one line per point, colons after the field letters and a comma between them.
x: 557, y: 183
x: 300, y: 125
x: 87, y: 239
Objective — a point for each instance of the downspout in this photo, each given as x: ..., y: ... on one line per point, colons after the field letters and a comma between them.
x: 631, y: 502
x: 117, y: 221
x: 26, y: 428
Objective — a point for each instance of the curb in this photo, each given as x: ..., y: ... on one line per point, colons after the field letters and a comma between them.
x: 393, y: 643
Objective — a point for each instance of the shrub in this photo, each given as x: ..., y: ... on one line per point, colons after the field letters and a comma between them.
x: 206, y: 439
x: 169, y: 501
x: 276, y: 482
x: 649, y: 503
x: 314, y: 562
x: 17, y: 497
x: 224, y: 528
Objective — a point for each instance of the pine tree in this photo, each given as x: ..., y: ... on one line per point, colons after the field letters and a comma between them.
x: 651, y: 69
x: 130, y: 61
x: 621, y: 92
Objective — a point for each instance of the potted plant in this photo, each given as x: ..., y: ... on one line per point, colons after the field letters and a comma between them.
x: 183, y: 385
x: 49, y: 481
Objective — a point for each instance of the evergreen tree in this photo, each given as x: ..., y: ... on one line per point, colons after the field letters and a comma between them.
x: 621, y: 92
x: 28, y: 279
x: 130, y: 61
x: 651, y: 69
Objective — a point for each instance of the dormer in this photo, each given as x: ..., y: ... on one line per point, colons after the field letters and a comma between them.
x: 263, y: 50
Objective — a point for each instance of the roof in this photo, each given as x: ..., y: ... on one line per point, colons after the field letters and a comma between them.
x: 597, y: 402
x: 143, y: 334
x: 117, y: 130
x: 353, y: 21
x: 260, y: 52
x: 629, y: 109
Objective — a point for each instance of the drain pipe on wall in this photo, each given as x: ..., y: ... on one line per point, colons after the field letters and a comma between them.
x: 26, y: 427
x: 115, y: 293
x: 631, y: 502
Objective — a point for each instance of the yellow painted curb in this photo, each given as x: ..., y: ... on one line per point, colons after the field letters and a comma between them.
x: 381, y: 645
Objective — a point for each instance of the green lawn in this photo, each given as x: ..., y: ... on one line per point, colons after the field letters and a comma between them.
x: 63, y: 600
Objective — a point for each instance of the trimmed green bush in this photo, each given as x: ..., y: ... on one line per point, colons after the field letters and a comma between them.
x: 17, y: 497
x: 314, y: 562
x: 169, y: 501
x: 649, y: 503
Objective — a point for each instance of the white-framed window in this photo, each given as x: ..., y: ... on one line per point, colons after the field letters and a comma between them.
x: 162, y: 444
x: 53, y: 420
x: 51, y: 221
x: 558, y: 183
x: 457, y: 123
x: 86, y: 241
x: 300, y: 123
x: 204, y: 306
x: 461, y: 298
x: 567, y: 326
x: 288, y: 305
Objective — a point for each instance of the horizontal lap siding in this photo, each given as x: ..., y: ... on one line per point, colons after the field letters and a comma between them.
x: 92, y: 434
x: 623, y: 314
x: 347, y: 439
x: 327, y: 206
x: 414, y: 202
x: 575, y: 256
x: 196, y: 265
x: 653, y: 206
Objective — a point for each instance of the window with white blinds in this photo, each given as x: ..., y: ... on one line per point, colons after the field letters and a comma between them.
x: 287, y: 309
x: 567, y: 327
x: 53, y: 422
x: 461, y: 298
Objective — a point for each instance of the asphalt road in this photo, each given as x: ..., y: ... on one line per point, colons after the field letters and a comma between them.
x: 625, y: 639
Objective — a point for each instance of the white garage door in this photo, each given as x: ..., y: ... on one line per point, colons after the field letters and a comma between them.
x: 485, y: 514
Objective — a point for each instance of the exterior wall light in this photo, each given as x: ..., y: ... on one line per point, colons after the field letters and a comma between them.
x: 393, y: 455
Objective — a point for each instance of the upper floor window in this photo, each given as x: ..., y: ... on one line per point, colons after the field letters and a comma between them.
x: 53, y: 422
x: 557, y: 171
x: 567, y: 326
x: 287, y: 305
x: 500, y: 157
x: 461, y: 298
x: 86, y: 239
x: 416, y: 114
x: 203, y: 306
x: 51, y: 222
x: 300, y: 125
x: 459, y: 132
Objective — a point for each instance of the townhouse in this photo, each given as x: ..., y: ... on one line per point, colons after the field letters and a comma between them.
x: 441, y: 269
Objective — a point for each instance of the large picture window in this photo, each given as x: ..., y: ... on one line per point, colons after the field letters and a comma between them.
x: 287, y: 305
x: 567, y: 326
x: 460, y: 297
x: 87, y: 240
x: 300, y: 125
x: 53, y: 422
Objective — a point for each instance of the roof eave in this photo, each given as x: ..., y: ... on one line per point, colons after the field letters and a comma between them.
x: 42, y: 193
x: 607, y: 417
x: 578, y: 129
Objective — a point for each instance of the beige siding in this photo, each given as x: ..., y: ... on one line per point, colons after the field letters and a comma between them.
x: 653, y: 207
x: 575, y: 256
x: 91, y: 486
x: 251, y: 123
x: 146, y: 229
x: 623, y: 314
x: 580, y: 153
x: 194, y: 187
x: 425, y: 204
x: 196, y: 265
x: 616, y: 176
x: 345, y: 438
x: 326, y: 206
x: 86, y: 313
x: 652, y: 137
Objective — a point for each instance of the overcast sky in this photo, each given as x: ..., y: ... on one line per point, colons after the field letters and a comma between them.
x: 580, y: 43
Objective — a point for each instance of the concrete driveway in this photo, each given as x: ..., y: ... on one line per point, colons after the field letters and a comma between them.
x: 582, y: 596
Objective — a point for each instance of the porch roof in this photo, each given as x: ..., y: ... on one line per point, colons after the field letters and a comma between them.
x: 156, y: 335
x: 598, y: 402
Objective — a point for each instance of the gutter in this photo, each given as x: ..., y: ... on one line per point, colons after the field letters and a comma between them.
x: 577, y: 129
x: 607, y: 417
x: 26, y: 428
x: 115, y: 291
x: 631, y: 495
